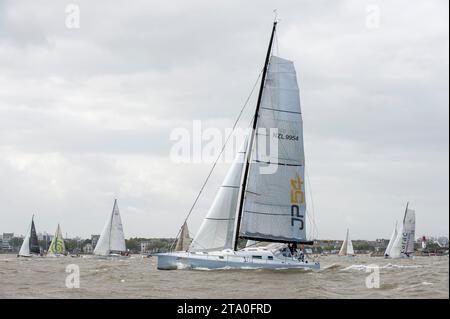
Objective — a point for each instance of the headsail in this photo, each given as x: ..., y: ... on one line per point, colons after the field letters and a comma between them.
x: 112, y: 238
x: 216, y: 230
x: 25, y: 248
x: 391, y: 241
x: 57, y: 245
x: 274, y: 204
x: 184, y: 241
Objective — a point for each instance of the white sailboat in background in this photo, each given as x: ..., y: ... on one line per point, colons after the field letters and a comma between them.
x: 30, y: 246
x: 403, y: 245
x: 387, y: 252
x: 112, y: 239
x: 347, y: 247
x: 57, y: 247
x: 253, y: 205
x: 184, y: 241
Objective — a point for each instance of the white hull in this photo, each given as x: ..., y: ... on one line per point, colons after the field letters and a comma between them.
x: 230, y: 259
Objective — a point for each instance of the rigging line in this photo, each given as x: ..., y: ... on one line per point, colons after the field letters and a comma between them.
x: 313, y: 219
x: 220, y: 154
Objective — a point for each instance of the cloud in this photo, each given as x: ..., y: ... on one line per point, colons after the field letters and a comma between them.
x: 86, y: 114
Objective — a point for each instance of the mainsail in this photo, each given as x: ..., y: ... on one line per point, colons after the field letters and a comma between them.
x: 403, y: 245
x: 30, y: 243
x: 274, y: 202
x: 112, y: 238
x: 391, y: 241
x: 57, y: 245
x: 184, y: 241
x: 216, y: 230
x: 347, y: 247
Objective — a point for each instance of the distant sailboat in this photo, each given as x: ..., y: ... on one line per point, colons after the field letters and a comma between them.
x: 184, y: 241
x: 112, y: 239
x: 256, y: 206
x: 391, y: 241
x: 57, y: 247
x: 30, y: 246
x: 403, y: 245
x: 347, y: 247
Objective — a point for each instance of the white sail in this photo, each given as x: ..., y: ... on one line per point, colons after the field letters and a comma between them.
x: 112, y: 238
x: 217, y: 229
x: 350, y: 251
x: 347, y: 247
x: 391, y: 241
x: 25, y: 248
x: 184, y: 241
x: 274, y: 205
x: 403, y: 245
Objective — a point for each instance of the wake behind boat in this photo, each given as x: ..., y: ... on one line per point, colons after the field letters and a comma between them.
x: 111, y: 243
x: 253, y: 204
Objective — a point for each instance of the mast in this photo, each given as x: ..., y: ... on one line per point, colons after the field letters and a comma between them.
x: 111, y: 224
x: 250, y: 144
x: 406, y: 211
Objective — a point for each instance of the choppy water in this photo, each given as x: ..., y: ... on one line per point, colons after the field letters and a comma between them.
x: 340, y: 277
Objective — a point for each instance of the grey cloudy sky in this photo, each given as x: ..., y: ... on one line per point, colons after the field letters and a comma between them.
x: 86, y: 114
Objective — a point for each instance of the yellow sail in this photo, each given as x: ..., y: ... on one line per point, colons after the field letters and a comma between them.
x: 57, y: 245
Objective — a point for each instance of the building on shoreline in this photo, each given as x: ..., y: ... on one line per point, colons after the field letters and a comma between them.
x: 6, y: 242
